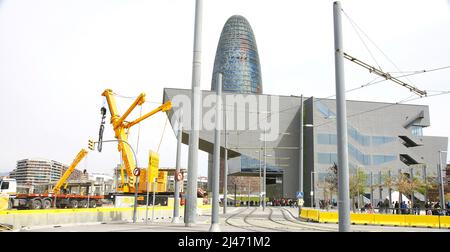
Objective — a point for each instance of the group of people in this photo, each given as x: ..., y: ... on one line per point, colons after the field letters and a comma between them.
x: 431, y: 208
x: 284, y: 202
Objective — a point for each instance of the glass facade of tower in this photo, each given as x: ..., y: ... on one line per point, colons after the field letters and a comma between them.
x: 237, y: 58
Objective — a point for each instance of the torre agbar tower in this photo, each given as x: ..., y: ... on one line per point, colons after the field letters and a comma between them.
x: 238, y: 60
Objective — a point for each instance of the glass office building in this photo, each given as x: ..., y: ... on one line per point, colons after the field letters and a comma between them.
x: 237, y: 58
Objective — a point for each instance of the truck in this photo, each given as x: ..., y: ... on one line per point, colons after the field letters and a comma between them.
x: 59, y: 196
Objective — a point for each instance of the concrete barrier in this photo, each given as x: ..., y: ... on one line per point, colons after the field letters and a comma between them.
x: 431, y: 221
x: 358, y: 218
x: 304, y: 213
x: 46, y: 217
x: 313, y: 214
x: 444, y: 221
x: 328, y: 217
x: 422, y: 221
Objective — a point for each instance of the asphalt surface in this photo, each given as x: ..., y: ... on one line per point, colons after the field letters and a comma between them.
x: 253, y: 219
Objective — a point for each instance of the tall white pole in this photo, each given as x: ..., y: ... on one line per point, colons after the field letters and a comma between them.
x: 260, y: 181
x: 225, y: 164
x: 264, y: 173
x: 215, y: 227
x: 344, y: 194
x: 191, y: 192
x: 441, y: 182
x: 176, y: 207
x: 300, y: 158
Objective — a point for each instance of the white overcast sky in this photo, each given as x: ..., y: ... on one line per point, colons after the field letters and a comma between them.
x: 57, y: 56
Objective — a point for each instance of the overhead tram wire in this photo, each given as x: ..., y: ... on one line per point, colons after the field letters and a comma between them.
x: 354, y: 24
x: 364, y: 43
x: 391, y: 104
x: 373, y: 82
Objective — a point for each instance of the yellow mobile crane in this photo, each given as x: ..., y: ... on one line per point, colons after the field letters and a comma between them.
x: 121, y: 128
x: 55, y: 197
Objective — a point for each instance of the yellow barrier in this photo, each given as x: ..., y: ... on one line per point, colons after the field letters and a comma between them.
x: 379, y: 219
x: 327, y: 217
x: 422, y: 221
x: 389, y: 219
x: 445, y: 221
x: 304, y: 213
x: 313, y: 214
x: 357, y: 218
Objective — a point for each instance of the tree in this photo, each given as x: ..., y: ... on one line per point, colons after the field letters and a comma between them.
x: 357, y: 184
x: 426, y: 186
x: 331, y: 180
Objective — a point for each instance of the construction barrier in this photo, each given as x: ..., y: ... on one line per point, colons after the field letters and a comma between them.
x: 304, y: 213
x: 431, y: 221
x: 357, y: 218
x: 49, y: 217
x: 444, y: 221
x: 422, y: 220
x: 313, y: 215
x: 389, y: 219
x: 328, y: 217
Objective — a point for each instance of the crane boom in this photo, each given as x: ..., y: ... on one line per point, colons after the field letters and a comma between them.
x: 387, y: 76
x: 121, y: 128
x: 69, y: 171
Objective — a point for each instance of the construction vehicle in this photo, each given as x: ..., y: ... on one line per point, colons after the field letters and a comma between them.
x: 54, y: 198
x: 130, y: 183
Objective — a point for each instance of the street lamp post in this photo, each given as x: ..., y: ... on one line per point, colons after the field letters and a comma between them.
x: 313, y: 188
x: 260, y: 182
x: 441, y: 182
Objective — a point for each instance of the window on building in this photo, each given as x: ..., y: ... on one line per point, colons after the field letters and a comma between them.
x: 326, y: 158
x: 324, y: 110
x: 330, y: 139
x: 381, y: 159
x: 416, y: 130
x: 379, y: 140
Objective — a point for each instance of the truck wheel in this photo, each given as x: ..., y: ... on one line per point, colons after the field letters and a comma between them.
x: 93, y: 204
x: 36, y: 204
x: 46, y: 204
x: 73, y: 204
x: 83, y: 204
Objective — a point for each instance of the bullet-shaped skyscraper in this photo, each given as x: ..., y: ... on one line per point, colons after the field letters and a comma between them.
x: 238, y: 60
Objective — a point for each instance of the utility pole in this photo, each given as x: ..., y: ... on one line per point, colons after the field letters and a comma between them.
x: 300, y: 158
x: 225, y: 164
x: 191, y: 194
x: 216, y: 170
x: 380, y: 186
x: 264, y: 173
x: 260, y: 181
x: 390, y: 190
x: 411, y: 179
x: 235, y: 194
x: 176, y: 208
x: 441, y: 181
x: 371, y: 188
x: 342, y: 141
x: 424, y: 177
x: 399, y: 193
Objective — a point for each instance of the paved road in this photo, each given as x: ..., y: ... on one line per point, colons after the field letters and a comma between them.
x: 253, y: 219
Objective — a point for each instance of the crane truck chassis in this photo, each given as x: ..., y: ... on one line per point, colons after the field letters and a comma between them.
x: 53, y: 199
